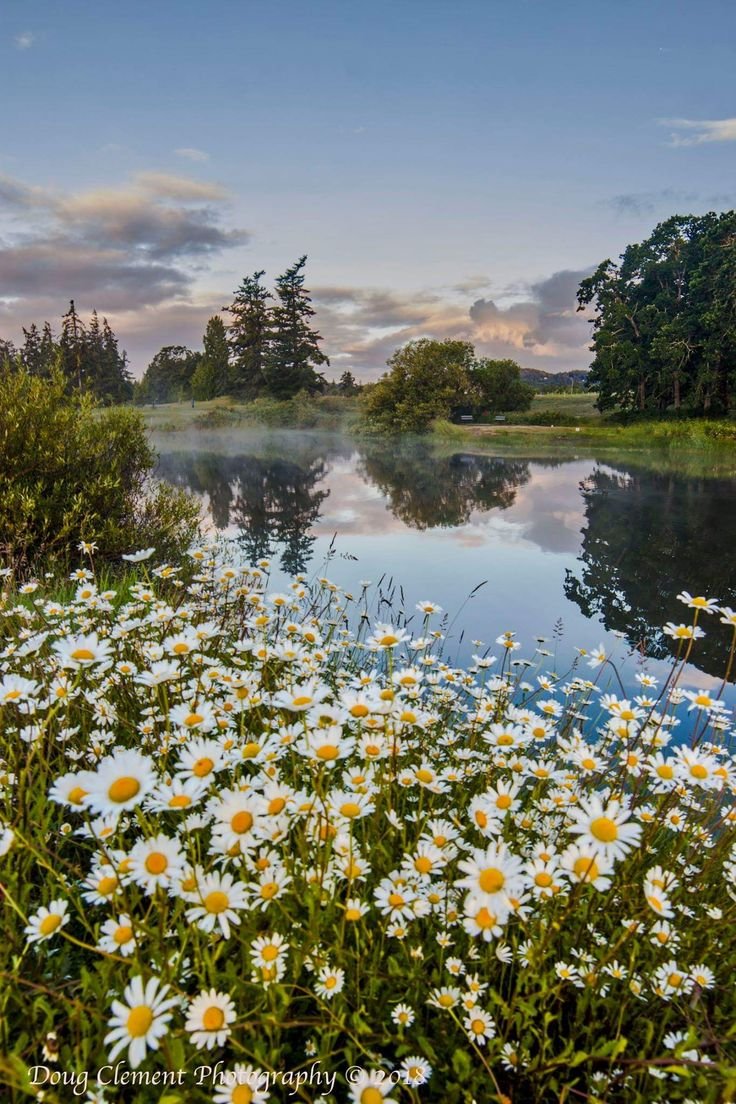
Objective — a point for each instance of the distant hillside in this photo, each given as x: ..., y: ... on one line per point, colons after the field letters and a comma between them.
x: 551, y: 381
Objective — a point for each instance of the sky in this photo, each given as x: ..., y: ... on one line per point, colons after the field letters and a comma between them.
x: 451, y: 168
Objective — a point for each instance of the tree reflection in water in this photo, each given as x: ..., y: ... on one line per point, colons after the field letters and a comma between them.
x: 649, y: 535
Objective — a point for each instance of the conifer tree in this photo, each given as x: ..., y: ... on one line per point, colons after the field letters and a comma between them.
x: 72, y: 347
x: 248, y: 335
x: 293, y: 346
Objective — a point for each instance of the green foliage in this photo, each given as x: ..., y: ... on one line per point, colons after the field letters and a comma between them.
x: 70, y: 472
x: 169, y: 376
x: 664, y: 332
x: 426, y: 379
x: 293, y: 353
x: 498, y: 387
x: 248, y: 336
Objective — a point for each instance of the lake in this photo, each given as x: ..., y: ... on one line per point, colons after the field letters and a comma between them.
x: 576, y: 548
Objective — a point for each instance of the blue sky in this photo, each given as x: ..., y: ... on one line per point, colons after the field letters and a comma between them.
x: 450, y: 168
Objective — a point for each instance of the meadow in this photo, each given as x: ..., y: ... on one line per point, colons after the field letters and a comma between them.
x: 261, y: 832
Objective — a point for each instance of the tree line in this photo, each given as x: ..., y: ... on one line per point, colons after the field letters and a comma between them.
x: 268, y: 347
x: 86, y: 354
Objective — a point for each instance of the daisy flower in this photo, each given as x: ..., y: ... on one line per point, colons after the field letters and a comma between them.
x: 415, y: 1071
x: 78, y: 652
x: 479, y: 1026
x: 47, y: 921
x: 588, y: 865
x: 117, y: 936
x: 492, y: 873
x: 155, y: 862
x: 120, y: 782
x: 219, y: 897
x: 403, y: 1015
x: 242, y: 1085
x: 208, y: 1019
x: 371, y: 1087
x: 606, y: 827
x: 140, y: 1020
x: 329, y: 982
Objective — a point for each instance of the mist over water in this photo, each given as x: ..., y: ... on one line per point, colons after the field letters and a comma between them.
x: 573, y: 548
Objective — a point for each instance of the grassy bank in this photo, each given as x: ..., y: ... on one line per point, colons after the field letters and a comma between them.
x: 325, y: 412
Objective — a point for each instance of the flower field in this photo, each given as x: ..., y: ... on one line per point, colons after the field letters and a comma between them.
x: 248, y: 834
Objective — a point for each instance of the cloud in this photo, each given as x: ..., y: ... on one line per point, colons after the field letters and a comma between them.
x: 666, y: 200
x: 24, y: 40
x: 124, y: 250
x: 696, y: 132
x: 541, y: 329
x: 189, y: 153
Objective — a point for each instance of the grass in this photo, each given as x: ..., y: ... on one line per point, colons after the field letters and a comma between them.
x: 322, y: 412
x: 513, y: 886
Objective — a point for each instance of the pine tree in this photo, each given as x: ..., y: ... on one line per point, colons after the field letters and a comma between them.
x: 114, y: 383
x: 32, y: 354
x: 293, y: 347
x: 248, y: 336
x: 49, y: 350
x: 72, y: 346
x: 216, y: 356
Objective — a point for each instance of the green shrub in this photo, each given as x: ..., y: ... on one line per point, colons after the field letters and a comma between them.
x: 70, y: 472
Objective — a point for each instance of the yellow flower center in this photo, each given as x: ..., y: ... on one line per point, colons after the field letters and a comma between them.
x: 675, y: 980
x: 242, y: 1094
x: 77, y: 795
x: 589, y: 764
x: 123, y: 934
x: 213, y: 1018
x: 350, y: 809
x: 181, y: 648
x: 49, y: 924
x: 331, y: 982
x: 371, y: 1095
x: 395, y: 900
x: 180, y: 801
x: 242, y: 821
x: 503, y: 801
x: 664, y: 770
x: 485, y: 919
x: 193, y: 719
x: 82, y: 654
x: 423, y: 864
x: 123, y: 789
x: 697, y: 770
x: 156, y: 862
x: 327, y: 752
x: 203, y: 767
x: 388, y: 640
x: 216, y: 902
x: 543, y: 879
x: 604, y: 829
x: 352, y: 914
x: 270, y: 952
x: 304, y: 699
x: 107, y: 885
x: 250, y: 750
x: 359, y: 710
x: 276, y: 805
x: 269, y: 890
x: 481, y: 819
x: 478, y: 1027
x: 491, y: 880
x: 140, y: 1019
x: 505, y: 740
x: 586, y: 868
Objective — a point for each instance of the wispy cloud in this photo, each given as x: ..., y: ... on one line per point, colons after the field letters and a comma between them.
x: 190, y: 153
x: 24, y: 40
x: 697, y: 132
x: 131, y: 249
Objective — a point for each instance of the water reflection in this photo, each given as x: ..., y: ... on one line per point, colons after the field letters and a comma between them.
x: 425, y: 489
x: 645, y: 532
x: 605, y: 545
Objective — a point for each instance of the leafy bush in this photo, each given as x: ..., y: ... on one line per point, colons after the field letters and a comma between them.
x: 70, y: 472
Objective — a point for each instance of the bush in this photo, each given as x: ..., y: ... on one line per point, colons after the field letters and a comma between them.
x: 71, y: 472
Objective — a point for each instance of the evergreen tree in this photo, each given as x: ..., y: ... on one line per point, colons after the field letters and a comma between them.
x: 348, y: 385
x: 49, y: 350
x: 216, y: 356
x: 8, y: 352
x: 32, y: 353
x: 72, y: 347
x: 293, y: 346
x: 248, y: 337
x: 115, y: 382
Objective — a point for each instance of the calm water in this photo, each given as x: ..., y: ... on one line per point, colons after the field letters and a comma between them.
x: 572, y: 548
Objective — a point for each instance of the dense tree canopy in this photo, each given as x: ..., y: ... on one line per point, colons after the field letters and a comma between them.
x: 168, y: 378
x: 430, y: 379
x: 664, y: 331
